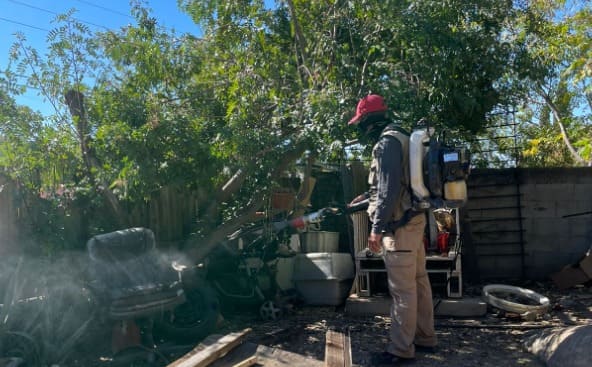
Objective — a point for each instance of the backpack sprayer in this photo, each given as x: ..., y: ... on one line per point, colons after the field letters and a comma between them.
x: 437, y: 172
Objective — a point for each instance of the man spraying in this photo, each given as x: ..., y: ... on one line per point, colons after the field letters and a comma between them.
x: 397, y: 232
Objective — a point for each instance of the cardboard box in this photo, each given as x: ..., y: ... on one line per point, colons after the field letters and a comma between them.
x: 569, y: 277
x: 586, y: 265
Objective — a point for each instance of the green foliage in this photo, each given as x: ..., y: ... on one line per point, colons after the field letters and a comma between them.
x: 263, y: 83
x: 40, y: 160
x: 557, y: 118
x: 31, y: 152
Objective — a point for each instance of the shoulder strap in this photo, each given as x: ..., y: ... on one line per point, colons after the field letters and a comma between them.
x: 394, y: 130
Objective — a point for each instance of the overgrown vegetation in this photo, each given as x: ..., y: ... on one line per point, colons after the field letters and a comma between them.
x: 225, y: 114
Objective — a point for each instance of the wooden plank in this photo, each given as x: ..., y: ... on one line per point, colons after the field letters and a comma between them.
x: 347, y: 352
x: 247, y: 362
x: 237, y: 355
x: 337, y: 349
x: 333, y: 349
x: 209, y: 350
x: 266, y: 356
x: 274, y: 357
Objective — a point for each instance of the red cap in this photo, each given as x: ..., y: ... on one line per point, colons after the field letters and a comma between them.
x: 370, y: 103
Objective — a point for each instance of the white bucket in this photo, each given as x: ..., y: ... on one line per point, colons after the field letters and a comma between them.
x: 319, y: 241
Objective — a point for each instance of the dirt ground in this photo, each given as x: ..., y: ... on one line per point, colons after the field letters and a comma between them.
x: 497, y: 339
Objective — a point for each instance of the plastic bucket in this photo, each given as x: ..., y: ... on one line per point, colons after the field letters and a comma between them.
x: 319, y: 241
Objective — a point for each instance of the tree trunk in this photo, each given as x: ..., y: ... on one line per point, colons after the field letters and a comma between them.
x: 75, y: 102
x: 558, y: 119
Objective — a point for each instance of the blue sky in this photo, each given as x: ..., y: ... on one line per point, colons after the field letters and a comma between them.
x: 34, y: 18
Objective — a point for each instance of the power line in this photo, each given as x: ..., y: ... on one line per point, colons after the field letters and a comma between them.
x: 51, y: 12
x: 23, y: 24
x: 54, y: 13
x: 105, y: 8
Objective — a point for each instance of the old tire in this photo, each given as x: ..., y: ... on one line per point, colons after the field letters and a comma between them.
x: 492, y: 292
x: 21, y: 347
x: 192, y: 320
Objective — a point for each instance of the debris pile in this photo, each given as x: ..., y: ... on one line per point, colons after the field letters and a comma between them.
x: 574, y: 274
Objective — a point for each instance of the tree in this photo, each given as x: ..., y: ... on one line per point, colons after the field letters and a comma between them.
x: 558, y: 111
x: 228, y: 113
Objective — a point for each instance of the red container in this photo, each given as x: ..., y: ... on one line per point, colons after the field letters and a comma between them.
x: 442, y: 241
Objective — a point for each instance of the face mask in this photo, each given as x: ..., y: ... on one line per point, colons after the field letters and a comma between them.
x: 370, y: 132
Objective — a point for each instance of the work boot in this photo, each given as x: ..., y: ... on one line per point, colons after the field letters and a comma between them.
x: 425, y: 348
x: 388, y: 359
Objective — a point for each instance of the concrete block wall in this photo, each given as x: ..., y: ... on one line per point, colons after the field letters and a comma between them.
x: 543, y: 198
x: 553, y: 240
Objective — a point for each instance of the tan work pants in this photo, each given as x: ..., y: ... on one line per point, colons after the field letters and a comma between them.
x: 412, y: 310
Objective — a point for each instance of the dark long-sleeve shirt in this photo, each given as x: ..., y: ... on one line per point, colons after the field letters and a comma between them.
x: 389, y: 172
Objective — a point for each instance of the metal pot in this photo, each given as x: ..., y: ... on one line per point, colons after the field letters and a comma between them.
x: 319, y: 241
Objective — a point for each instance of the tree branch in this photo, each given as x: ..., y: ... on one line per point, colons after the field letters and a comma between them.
x: 231, y: 186
x: 299, y: 34
x: 199, y: 248
x: 558, y: 119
